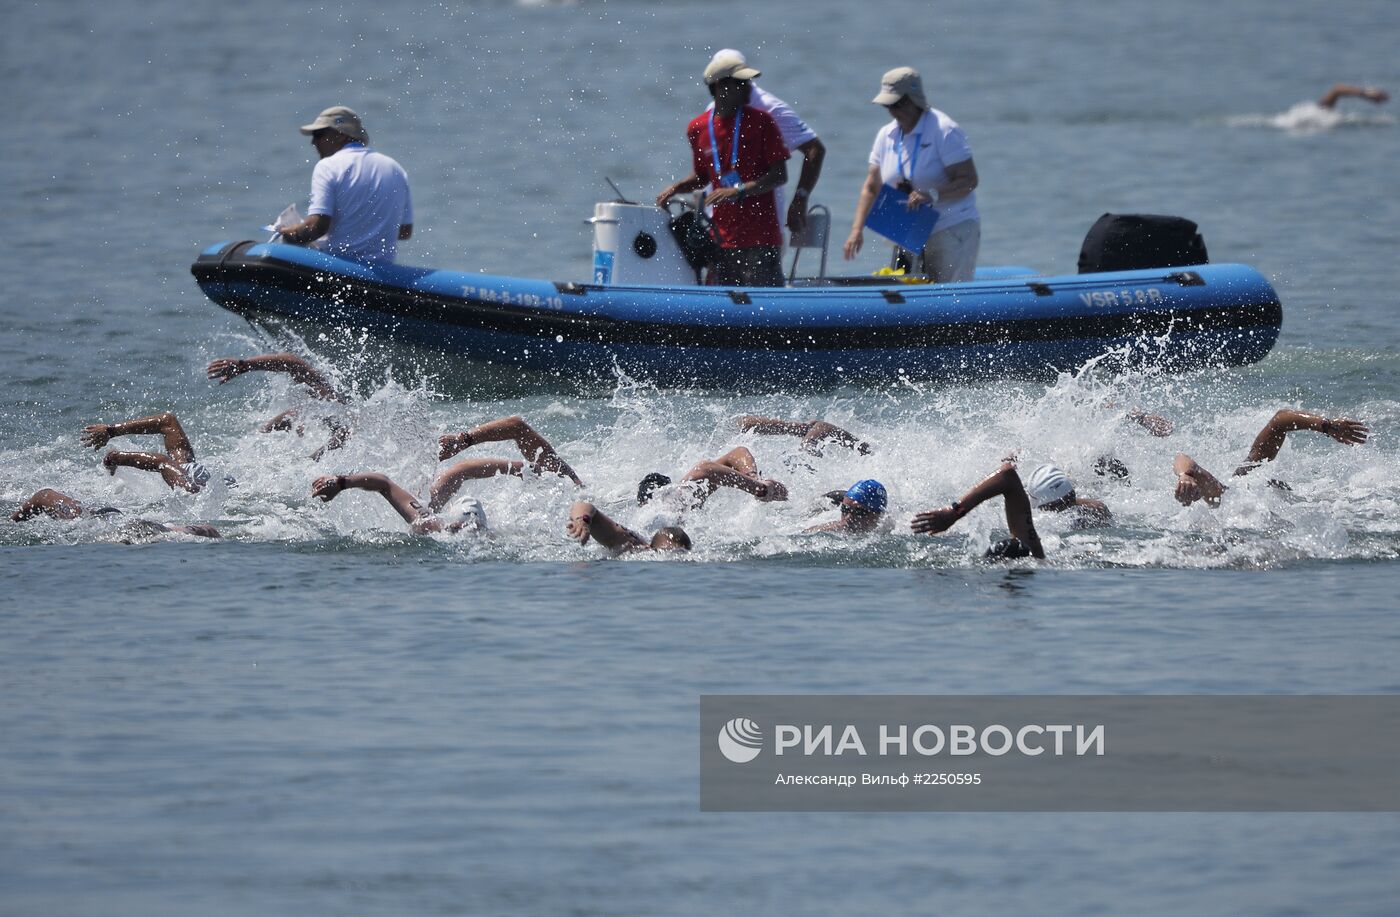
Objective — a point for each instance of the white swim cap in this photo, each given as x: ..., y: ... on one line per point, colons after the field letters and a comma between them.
x: 465, y: 513
x: 1047, y: 484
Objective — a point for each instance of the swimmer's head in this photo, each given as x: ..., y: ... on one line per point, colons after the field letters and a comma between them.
x: 1049, y: 487
x: 671, y: 538
x: 862, y: 505
x: 1007, y: 549
x: 465, y: 513
x: 649, y: 486
x: 868, y: 495
x: 1108, y: 466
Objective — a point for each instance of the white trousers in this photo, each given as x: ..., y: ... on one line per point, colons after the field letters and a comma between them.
x: 951, y: 254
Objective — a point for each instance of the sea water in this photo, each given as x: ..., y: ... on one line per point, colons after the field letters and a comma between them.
x: 324, y: 713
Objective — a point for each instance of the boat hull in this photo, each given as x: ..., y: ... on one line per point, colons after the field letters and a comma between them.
x: 845, y: 332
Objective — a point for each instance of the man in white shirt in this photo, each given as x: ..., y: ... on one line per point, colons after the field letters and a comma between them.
x: 797, y: 136
x: 360, y: 204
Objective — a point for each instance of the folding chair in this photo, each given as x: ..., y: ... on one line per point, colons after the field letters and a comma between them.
x: 817, y: 234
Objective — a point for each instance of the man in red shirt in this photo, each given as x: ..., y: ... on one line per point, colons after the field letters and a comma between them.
x: 738, y: 151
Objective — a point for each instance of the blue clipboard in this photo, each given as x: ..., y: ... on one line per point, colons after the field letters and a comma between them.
x: 892, y: 218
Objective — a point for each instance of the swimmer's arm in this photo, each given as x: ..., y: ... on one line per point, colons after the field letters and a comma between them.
x: 773, y: 426
x: 587, y: 521
x: 821, y: 431
x: 446, y: 484
x: 538, y: 450
x: 1004, y: 483
x: 340, y: 435
x: 1155, y: 424
x: 813, y: 432
x: 1343, y: 90
x: 299, y: 369
x: 933, y: 521
x: 198, y: 529
x: 714, y: 475
x: 1270, y: 440
x: 48, y: 502
x: 282, y: 421
x: 404, y: 503
x: 1195, y: 483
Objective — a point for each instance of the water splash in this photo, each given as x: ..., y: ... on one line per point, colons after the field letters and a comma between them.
x: 930, y: 444
x: 1311, y: 118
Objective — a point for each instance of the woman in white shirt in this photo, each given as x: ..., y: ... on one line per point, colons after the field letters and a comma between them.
x: 924, y: 153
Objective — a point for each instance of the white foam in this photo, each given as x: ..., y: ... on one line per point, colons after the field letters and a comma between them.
x: 930, y: 445
x: 1311, y: 118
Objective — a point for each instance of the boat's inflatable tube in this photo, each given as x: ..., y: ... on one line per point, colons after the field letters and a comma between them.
x: 841, y: 331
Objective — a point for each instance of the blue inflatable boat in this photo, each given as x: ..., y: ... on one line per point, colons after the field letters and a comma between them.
x: 823, y: 332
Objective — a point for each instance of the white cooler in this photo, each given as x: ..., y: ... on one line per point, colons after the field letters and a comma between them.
x: 632, y: 244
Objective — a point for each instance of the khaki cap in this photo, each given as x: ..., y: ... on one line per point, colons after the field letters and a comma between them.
x: 729, y: 64
x: 901, y: 82
x: 340, y: 119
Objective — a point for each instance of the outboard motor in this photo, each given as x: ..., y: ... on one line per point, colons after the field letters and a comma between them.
x: 695, y: 235
x: 1133, y: 242
x: 633, y: 244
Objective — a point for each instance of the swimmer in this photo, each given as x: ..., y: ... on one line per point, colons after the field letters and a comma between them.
x: 862, y: 509
x: 300, y: 371
x: 1051, y: 490
x: 56, y: 505
x: 587, y: 521
x: 815, y: 434
x: 737, y: 468
x: 1004, y: 483
x: 1195, y: 483
x: 534, y: 447
x: 442, y: 514
x: 1341, y: 91
x: 176, y: 465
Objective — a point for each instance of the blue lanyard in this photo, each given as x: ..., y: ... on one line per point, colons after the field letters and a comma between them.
x: 733, y: 145
x: 899, y: 154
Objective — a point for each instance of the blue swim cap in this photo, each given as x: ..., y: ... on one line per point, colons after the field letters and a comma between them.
x: 869, y: 494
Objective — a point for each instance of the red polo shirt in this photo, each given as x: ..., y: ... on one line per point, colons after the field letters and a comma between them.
x: 753, y: 221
